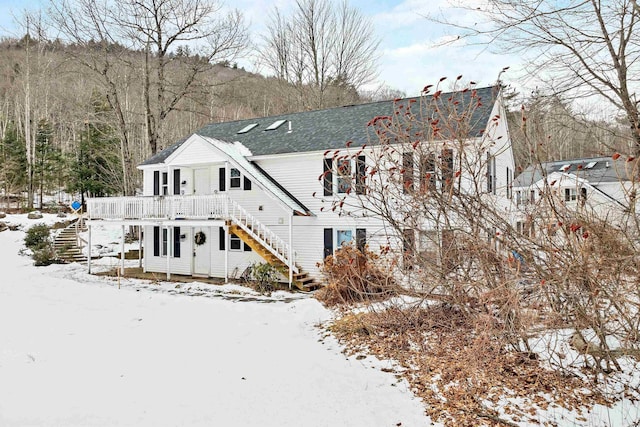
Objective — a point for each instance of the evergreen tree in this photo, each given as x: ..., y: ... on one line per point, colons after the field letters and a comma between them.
x: 48, y: 161
x: 95, y: 169
x: 13, y: 174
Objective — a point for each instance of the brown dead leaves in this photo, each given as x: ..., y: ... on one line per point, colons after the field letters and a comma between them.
x: 463, y: 373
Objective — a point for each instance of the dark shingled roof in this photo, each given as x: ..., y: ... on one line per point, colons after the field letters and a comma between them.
x: 604, y: 169
x: 332, y: 128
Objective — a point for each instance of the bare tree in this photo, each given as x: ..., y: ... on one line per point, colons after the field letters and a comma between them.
x: 580, y: 47
x: 319, y: 46
x: 159, y: 28
x: 181, y: 40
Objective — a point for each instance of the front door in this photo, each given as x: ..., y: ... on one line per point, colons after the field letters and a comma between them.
x: 201, y: 182
x: 202, y: 251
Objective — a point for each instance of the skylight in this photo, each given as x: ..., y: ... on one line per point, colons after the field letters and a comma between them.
x: 276, y: 125
x: 565, y: 168
x: 590, y: 165
x: 247, y: 128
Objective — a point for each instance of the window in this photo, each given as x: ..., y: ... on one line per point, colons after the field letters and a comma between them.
x: 345, y: 181
x: 532, y: 196
x: 509, y: 183
x: 427, y: 172
x: 165, y: 183
x: 407, y: 173
x: 518, y: 198
x: 275, y: 125
x: 235, y: 244
x: 570, y: 194
x: 583, y: 194
x: 343, y: 237
x: 247, y: 128
x: 165, y: 238
x: 525, y: 228
x: 344, y: 175
x: 235, y: 179
x: 491, y: 174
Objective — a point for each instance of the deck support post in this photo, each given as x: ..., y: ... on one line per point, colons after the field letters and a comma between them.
x: 122, y: 252
x: 290, y: 251
x: 89, y: 248
x: 226, y: 253
x: 169, y: 250
x: 139, y: 246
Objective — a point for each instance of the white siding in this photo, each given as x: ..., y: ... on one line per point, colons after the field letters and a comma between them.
x: 158, y: 264
x: 195, y: 151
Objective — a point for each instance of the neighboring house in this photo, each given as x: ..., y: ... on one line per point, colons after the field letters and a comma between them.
x: 247, y: 191
x: 597, y: 186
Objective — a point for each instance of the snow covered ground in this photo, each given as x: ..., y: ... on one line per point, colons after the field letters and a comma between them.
x: 76, y: 350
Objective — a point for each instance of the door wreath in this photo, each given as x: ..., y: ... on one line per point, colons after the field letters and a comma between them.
x: 200, y: 238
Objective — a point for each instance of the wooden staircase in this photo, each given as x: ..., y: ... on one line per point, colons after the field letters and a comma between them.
x: 301, y: 279
x: 66, y: 243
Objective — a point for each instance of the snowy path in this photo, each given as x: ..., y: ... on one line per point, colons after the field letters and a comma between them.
x: 85, y: 353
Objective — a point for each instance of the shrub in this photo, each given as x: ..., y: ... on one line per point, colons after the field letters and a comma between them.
x: 44, y: 256
x: 37, y: 237
x: 264, y: 277
x: 353, y: 276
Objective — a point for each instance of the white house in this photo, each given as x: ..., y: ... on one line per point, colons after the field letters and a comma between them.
x: 597, y: 186
x: 257, y: 190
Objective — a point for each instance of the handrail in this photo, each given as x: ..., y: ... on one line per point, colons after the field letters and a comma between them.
x: 264, y: 235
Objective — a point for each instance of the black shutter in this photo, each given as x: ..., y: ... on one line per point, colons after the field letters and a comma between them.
x: 361, y: 238
x: 328, y: 176
x: 247, y: 183
x: 176, y: 242
x: 156, y: 183
x: 222, y: 177
x: 222, y: 237
x: 328, y: 242
x: 360, y: 175
x: 176, y: 181
x: 247, y: 248
x: 156, y: 241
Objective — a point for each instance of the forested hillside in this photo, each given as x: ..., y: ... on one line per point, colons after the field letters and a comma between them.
x: 75, y: 139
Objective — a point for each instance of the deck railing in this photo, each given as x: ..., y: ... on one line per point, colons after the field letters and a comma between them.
x: 158, y: 207
x: 213, y: 206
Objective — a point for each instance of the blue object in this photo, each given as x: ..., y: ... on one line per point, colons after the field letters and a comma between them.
x: 517, y: 257
x: 76, y: 205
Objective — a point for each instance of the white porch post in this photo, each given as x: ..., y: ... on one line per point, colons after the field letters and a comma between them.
x: 122, y: 252
x: 226, y: 253
x: 89, y: 247
x: 290, y: 250
x: 169, y: 251
x: 139, y: 246
x: 169, y: 199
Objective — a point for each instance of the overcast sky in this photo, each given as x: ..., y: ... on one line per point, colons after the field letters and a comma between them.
x: 412, y: 53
